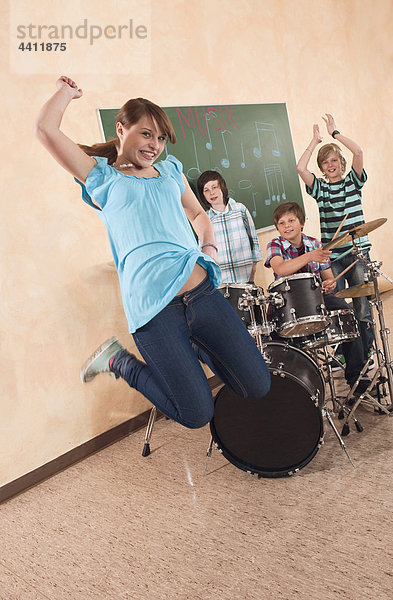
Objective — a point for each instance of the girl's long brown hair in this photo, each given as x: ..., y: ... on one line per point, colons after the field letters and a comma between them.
x: 129, y: 114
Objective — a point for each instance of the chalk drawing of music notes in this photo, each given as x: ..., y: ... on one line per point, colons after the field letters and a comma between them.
x: 244, y: 184
x: 243, y: 163
x: 266, y: 129
x: 194, y: 172
x: 254, y: 212
x: 225, y: 161
x: 275, y: 184
x: 209, y: 145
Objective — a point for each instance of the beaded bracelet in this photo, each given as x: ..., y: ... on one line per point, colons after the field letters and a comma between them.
x: 208, y: 244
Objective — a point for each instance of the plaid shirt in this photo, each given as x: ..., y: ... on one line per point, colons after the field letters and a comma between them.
x: 236, y: 240
x: 279, y: 246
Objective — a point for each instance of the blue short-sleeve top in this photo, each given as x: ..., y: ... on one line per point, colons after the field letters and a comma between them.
x: 152, y: 242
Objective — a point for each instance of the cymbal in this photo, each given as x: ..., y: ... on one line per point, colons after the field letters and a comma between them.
x: 355, y: 232
x: 357, y: 291
x: 344, y: 238
x: 365, y: 228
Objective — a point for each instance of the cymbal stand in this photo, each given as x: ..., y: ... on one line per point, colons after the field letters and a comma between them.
x: 373, y: 268
x: 383, y: 355
x: 377, y: 379
x: 336, y: 401
x: 342, y: 401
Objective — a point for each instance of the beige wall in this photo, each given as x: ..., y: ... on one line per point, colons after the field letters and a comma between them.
x: 59, y: 295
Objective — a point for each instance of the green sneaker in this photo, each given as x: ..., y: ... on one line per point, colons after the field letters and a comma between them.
x: 98, y: 362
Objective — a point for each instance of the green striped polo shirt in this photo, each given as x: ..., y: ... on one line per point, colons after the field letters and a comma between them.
x: 335, y: 200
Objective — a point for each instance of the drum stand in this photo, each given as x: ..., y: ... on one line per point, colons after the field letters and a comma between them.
x: 254, y: 330
x: 247, y: 303
x: 326, y: 412
x: 384, y: 360
x: 338, y: 400
x: 352, y: 402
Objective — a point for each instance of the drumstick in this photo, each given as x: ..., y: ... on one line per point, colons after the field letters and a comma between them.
x: 345, y: 270
x: 339, y: 228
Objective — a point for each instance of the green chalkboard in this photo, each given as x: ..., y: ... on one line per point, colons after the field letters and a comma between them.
x: 249, y: 144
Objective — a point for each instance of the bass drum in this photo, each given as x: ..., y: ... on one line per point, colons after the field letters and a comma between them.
x: 277, y: 434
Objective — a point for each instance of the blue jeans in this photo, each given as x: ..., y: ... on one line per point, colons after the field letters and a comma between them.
x: 172, y: 378
x: 355, y: 276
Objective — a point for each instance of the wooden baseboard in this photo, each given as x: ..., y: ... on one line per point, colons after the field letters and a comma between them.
x: 9, y: 490
x: 64, y: 461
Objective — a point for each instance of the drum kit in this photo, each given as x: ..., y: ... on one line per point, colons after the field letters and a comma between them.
x: 280, y: 433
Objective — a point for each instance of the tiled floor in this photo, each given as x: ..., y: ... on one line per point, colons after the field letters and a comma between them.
x: 118, y: 526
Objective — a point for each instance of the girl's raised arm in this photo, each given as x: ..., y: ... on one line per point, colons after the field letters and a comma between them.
x: 47, y: 129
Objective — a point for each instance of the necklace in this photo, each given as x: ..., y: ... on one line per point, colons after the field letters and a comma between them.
x: 124, y: 166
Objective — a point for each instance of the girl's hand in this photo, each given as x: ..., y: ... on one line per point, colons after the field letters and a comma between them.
x: 330, y: 124
x: 317, y: 138
x: 68, y: 84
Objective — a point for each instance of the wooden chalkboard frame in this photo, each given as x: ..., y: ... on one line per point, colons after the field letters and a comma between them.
x: 249, y: 144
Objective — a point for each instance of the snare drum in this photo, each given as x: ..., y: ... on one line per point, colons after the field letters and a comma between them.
x: 280, y: 433
x: 248, y: 300
x: 342, y: 328
x: 303, y: 311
